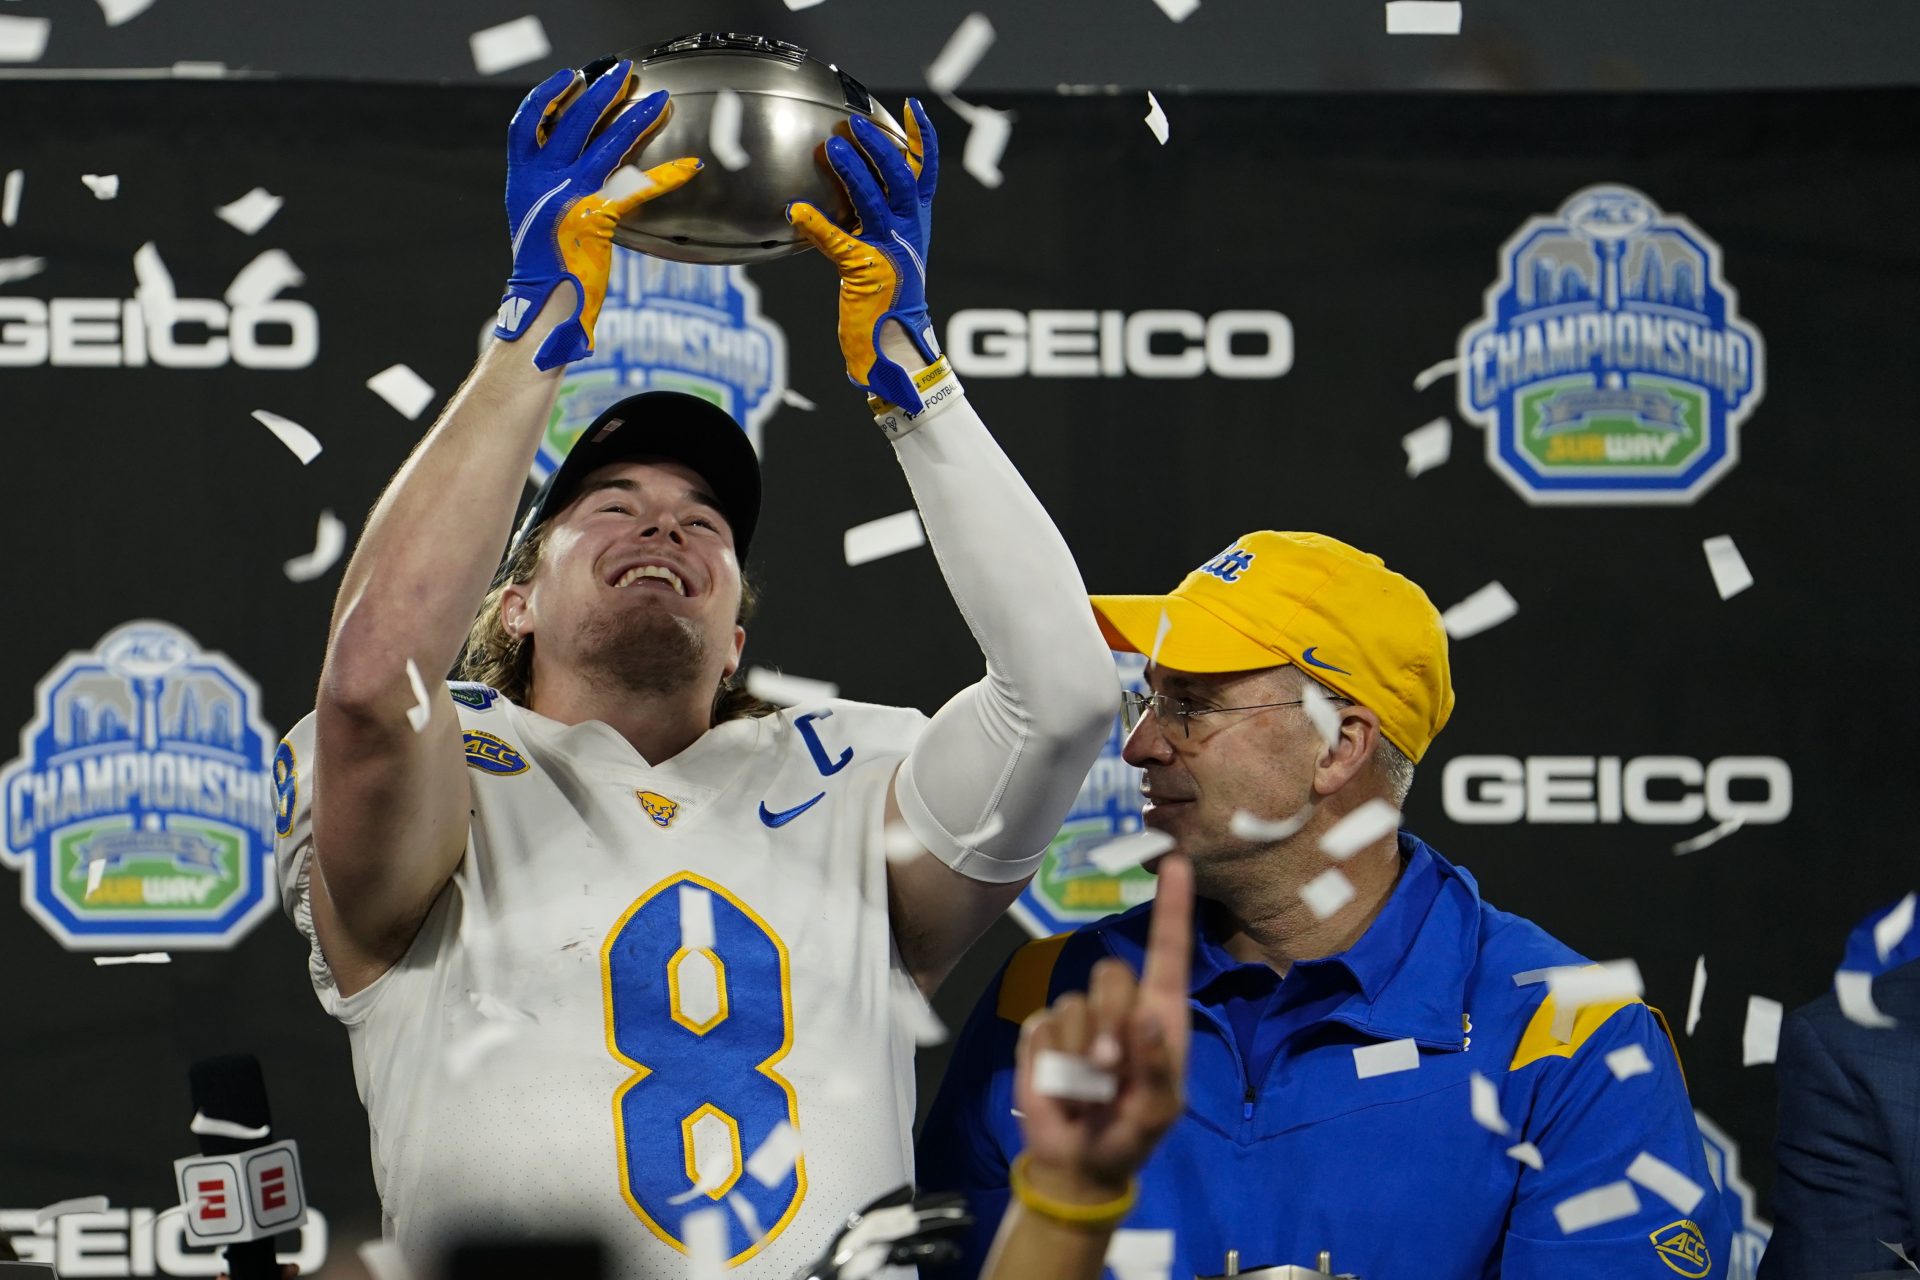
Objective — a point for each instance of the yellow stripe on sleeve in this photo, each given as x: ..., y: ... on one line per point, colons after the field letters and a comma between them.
x: 1023, y: 988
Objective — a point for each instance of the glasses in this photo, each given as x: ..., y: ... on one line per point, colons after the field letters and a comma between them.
x: 1167, y: 711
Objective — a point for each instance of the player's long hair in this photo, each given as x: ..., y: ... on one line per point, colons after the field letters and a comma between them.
x: 505, y: 662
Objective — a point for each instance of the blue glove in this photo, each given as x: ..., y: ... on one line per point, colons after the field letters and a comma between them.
x: 883, y: 260
x: 558, y: 214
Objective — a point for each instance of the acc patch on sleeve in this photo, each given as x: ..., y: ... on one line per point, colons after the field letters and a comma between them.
x: 1682, y: 1247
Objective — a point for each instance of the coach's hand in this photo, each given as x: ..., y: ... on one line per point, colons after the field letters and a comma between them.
x: 883, y: 260
x: 1089, y: 1152
x: 562, y: 147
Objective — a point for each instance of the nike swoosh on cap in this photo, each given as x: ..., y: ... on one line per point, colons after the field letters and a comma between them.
x: 1312, y: 661
x: 785, y: 816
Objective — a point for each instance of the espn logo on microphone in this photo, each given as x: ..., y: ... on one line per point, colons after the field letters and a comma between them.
x: 249, y: 1195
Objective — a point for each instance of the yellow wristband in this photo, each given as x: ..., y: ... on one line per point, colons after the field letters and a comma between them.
x: 1087, y: 1217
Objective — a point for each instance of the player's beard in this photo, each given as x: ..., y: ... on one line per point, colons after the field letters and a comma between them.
x: 641, y: 650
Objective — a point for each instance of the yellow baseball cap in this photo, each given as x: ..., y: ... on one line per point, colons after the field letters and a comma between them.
x: 1306, y: 600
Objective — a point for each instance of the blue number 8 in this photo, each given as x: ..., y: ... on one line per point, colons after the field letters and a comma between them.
x: 702, y: 1031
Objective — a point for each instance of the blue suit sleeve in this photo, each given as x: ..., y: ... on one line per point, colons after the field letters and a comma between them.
x: 1590, y: 1128
x: 1836, y: 1195
x: 971, y: 1135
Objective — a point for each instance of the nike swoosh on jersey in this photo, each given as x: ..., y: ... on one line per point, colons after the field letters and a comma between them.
x: 785, y: 816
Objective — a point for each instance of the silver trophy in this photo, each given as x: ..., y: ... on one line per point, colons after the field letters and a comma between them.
x: 789, y: 104
x: 1322, y: 1270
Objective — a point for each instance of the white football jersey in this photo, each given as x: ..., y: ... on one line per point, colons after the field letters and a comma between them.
x: 639, y: 975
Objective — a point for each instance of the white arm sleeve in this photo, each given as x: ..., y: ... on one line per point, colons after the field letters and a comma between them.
x: 986, y: 786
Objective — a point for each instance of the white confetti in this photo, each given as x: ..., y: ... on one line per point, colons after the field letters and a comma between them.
x: 263, y: 278
x: 1760, y: 1040
x: 1900, y: 1252
x: 1854, y: 990
x: 214, y: 1127
x: 405, y: 390
x: 1326, y: 893
x: 1374, y: 820
x: 1667, y: 1182
x: 10, y: 196
x: 329, y: 540
x: 422, y: 709
x: 797, y: 5
x: 1711, y: 836
x: 911, y: 1010
x: 1140, y: 1255
x: 1250, y: 826
x: 96, y: 871
x: 105, y: 186
x: 61, y: 1208
x: 1434, y: 372
x: 119, y: 11
x: 1178, y: 10
x: 1488, y: 607
x: 508, y: 45
x: 723, y: 131
x: 138, y: 957
x: 963, y: 51
x: 1428, y: 447
x: 743, y: 1210
x: 1129, y: 850
x: 12, y: 269
x: 775, y: 1157
x: 199, y: 70
x: 23, y: 39
x: 1729, y: 568
x: 1528, y: 977
x: 1575, y: 987
x: 1628, y: 1062
x: 1370, y: 1060
x: 786, y: 690
x: 887, y: 536
x: 1156, y: 119
x: 899, y: 844
x: 1319, y: 710
x: 1528, y: 1154
x: 625, y: 181
x: 704, y: 1232
x: 988, y: 132
x: 1160, y: 636
x: 794, y: 400
x: 1597, y: 1207
x: 384, y: 1260
x: 251, y: 211
x: 1485, y: 1105
x: 1698, y: 995
x: 291, y: 434
x: 1071, y: 1076
x: 1892, y: 928
x: 696, y: 918
x: 153, y: 286
x: 1423, y: 17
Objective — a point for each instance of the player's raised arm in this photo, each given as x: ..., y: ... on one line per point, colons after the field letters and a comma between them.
x: 990, y: 780
x: 390, y: 809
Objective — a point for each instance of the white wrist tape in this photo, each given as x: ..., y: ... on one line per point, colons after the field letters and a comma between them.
x: 938, y: 388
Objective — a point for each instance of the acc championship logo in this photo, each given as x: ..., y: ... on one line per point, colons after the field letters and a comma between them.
x: 672, y: 326
x: 1070, y: 890
x: 1612, y: 365
x: 140, y: 811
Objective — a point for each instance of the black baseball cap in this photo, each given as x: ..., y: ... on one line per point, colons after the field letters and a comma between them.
x: 673, y: 425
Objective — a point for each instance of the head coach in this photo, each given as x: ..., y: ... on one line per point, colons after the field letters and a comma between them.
x: 1388, y: 1078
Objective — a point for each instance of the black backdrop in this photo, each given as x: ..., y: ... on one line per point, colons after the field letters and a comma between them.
x: 1373, y: 223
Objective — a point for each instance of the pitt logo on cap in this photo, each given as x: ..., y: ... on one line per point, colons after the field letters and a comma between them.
x: 1682, y: 1247
x: 1229, y: 564
x: 662, y: 810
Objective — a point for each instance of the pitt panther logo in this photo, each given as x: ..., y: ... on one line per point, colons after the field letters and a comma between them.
x: 662, y: 810
x: 493, y: 755
x: 142, y: 809
x: 1682, y: 1247
x: 1229, y: 564
x: 1611, y: 364
x: 672, y: 326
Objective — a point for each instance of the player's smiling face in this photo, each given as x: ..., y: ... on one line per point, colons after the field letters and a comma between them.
x: 648, y: 537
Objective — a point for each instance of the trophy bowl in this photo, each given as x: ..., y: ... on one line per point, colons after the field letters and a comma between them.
x: 790, y: 103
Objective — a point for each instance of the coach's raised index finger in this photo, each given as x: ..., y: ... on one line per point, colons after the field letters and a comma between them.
x: 1165, y: 976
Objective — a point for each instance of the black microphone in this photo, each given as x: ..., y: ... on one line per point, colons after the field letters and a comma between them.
x: 231, y: 1088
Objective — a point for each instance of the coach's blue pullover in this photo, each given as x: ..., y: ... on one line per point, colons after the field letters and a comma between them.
x: 1284, y: 1150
